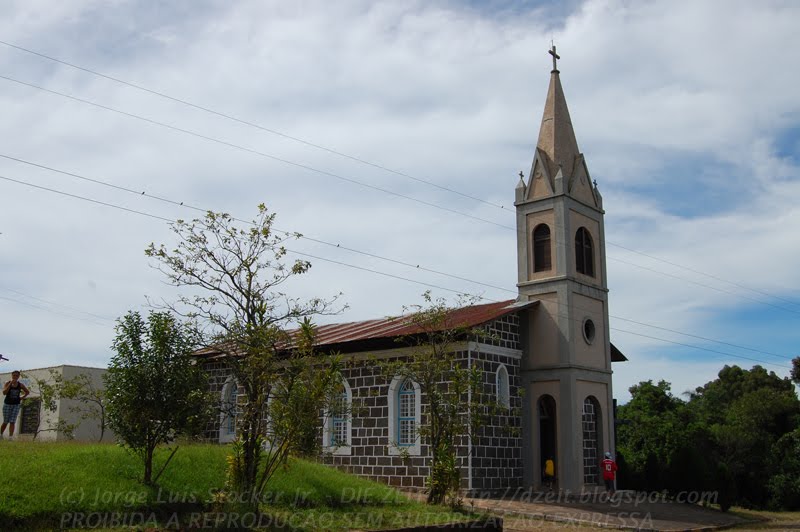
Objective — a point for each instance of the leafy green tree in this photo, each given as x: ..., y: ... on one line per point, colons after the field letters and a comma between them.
x: 753, y: 424
x: 649, y: 426
x: 154, y: 390
x: 796, y: 370
x: 237, y: 275
x: 784, y: 483
x: 725, y: 438
x: 747, y: 412
x: 457, y: 405
x: 663, y: 445
x: 713, y: 399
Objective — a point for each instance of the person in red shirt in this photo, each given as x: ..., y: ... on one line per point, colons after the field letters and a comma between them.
x: 609, y: 467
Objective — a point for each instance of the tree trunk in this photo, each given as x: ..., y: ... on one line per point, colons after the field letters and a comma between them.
x: 148, y: 465
x: 102, y: 423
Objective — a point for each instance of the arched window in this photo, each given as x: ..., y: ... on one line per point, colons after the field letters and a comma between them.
x: 541, y: 248
x: 406, y: 420
x: 591, y: 440
x: 405, y: 412
x: 337, y: 429
x: 584, y: 256
x: 503, y: 390
x: 230, y: 398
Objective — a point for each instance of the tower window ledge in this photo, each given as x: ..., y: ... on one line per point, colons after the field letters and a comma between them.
x: 542, y: 280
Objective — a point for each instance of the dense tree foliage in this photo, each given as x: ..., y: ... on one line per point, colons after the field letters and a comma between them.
x: 154, y: 391
x: 737, y: 435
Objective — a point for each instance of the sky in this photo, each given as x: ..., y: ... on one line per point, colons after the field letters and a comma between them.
x: 379, y: 123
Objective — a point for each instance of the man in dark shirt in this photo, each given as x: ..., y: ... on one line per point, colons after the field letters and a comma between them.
x: 14, y: 392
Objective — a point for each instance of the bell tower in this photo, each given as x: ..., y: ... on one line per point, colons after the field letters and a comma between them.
x: 561, y: 262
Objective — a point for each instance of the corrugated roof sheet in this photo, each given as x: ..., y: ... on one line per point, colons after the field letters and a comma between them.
x: 337, y: 334
x: 392, y: 327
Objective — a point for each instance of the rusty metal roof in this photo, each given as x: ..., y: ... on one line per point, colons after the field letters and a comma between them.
x: 353, y: 336
x: 357, y: 335
x: 393, y: 327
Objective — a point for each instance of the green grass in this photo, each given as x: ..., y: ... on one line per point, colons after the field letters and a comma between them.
x: 48, y: 484
x: 54, y: 478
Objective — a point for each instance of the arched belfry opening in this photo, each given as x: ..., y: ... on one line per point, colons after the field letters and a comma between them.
x: 548, y: 447
x: 542, y: 256
x: 584, y: 252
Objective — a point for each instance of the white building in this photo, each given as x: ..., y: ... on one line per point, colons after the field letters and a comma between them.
x: 34, y: 420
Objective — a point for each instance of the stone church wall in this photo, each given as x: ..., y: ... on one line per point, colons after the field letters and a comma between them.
x: 497, y: 449
x: 370, y: 450
x: 218, y: 374
x: 496, y: 457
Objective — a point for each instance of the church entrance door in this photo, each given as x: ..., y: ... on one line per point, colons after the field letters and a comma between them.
x: 547, y: 431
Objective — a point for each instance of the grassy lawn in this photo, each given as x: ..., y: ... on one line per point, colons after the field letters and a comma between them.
x: 73, y: 485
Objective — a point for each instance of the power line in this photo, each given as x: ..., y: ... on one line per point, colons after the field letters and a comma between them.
x: 390, y: 192
x: 702, y: 348
x: 782, y: 357
x: 134, y: 211
x: 39, y: 307
x: 155, y: 216
x: 227, y: 116
x: 396, y: 261
x: 692, y: 346
x: 704, y: 285
x: 173, y: 202
x: 255, y: 152
x: 23, y: 294
x: 705, y: 274
x: 251, y: 124
x: 200, y: 209
x: 430, y: 285
x: 458, y: 292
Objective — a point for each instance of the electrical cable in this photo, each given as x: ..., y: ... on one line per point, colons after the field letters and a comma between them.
x: 256, y: 152
x: 396, y: 261
x: 251, y: 124
x: 429, y: 285
x: 227, y: 116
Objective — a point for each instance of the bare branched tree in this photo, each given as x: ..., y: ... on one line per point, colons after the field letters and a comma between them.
x: 240, y: 274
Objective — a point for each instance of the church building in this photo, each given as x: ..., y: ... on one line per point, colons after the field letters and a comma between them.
x: 547, y: 360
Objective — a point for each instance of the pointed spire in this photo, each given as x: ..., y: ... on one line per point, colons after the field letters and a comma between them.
x: 519, y: 192
x: 556, y: 136
x: 521, y: 183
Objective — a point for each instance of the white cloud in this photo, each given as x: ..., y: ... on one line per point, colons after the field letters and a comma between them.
x: 440, y: 91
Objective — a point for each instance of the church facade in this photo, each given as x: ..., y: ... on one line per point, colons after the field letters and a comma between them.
x: 547, y: 360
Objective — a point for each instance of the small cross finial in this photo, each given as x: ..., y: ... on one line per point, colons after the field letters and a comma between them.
x: 552, y: 52
x: 521, y: 175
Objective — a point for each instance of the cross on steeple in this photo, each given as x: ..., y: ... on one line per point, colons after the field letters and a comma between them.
x: 552, y: 52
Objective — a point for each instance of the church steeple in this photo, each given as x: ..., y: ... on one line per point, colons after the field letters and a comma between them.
x: 561, y: 263
x: 556, y: 137
x: 558, y: 166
